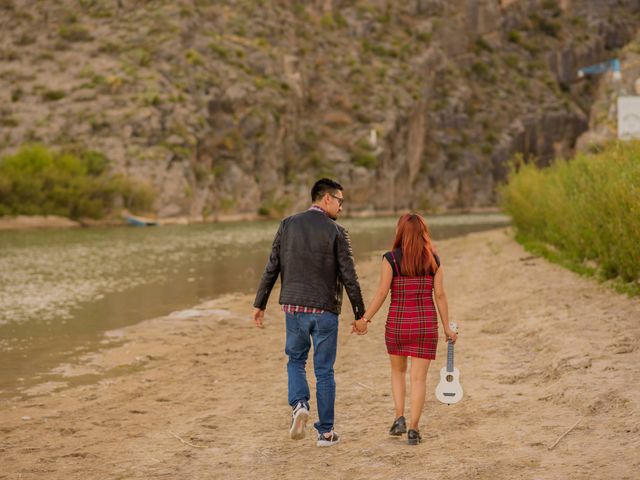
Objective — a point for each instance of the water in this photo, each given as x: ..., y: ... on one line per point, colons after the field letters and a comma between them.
x: 61, y: 290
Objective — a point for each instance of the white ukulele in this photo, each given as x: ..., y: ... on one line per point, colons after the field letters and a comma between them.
x: 449, y: 390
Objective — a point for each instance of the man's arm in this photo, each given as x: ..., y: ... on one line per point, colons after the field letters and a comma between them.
x: 347, y: 272
x: 271, y: 272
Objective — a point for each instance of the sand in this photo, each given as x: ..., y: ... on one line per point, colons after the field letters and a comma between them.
x: 202, y: 393
x: 24, y: 222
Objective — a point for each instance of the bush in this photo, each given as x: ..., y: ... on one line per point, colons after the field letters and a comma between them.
x: 425, y: 37
x: 273, y: 207
x: 483, y: 71
x: 74, y: 33
x: 9, y: 121
x: 364, y: 159
x: 550, y: 28
x: 587, y: 208
x: 220, y: 50
x: 514, y: 36
x: 37, y: 181
x: 16, y: 94
x: 193, y: 58
x: 24, y: 39
x: 512, y: 61
x: 481, y: 44
x: 378, y: 49
x: 53, y: 95
x: 7, y: 5
x: 327, y: 22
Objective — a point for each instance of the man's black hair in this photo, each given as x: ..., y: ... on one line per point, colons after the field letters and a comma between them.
x: 322, y: 186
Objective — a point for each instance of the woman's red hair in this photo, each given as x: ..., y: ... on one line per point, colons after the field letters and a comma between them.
x: 412, y: 236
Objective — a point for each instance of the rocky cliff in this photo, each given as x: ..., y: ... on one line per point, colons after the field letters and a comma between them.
x: 236, y: 106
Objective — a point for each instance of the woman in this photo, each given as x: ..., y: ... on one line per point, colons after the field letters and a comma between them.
x: 412, y: 270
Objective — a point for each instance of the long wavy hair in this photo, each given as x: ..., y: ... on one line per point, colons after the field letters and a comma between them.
x: 412, y: 236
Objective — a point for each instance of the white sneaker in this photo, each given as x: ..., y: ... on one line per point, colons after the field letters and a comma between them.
x: 324, y: 441
x: 298, y: 422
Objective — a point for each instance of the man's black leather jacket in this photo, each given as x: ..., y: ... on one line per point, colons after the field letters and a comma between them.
x: 313, y: 255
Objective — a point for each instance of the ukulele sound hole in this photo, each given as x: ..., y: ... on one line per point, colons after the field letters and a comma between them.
x: 449, y: 378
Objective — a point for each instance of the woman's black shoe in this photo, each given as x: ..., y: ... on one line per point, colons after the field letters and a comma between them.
x: 399, y: 427
x: 413, y: 437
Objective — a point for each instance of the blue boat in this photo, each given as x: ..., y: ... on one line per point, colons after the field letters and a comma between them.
x: 140, y: 221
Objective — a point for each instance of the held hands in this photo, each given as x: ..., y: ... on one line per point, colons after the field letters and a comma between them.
x: 360, y: 326
x: 258, y: 317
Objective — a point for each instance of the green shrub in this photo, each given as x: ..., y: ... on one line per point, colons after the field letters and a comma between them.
x: 481, y: 44
x: 552, y: 6
x: 70, y: 18
x: 16, y: 94
x: 9, y: 121
x: 300, y: 11
x: 587, y: 208
x: 340, y: 20
x: 512, y: 61
x: 273, y: 207
x: 550, y: 28
x: 378, y: 49
x: 24, y: 39
x: 578, y: 21
x: 514, y: 36
x: 110, y: 47
x: 425, y: 37
x: 9, y: 55
x: 7, y: 5
x: 308, y: 139
x: 365, y: 159
x: 201, y: 173
x: 327, y: 22
x: 141, y: 56
x: 37, y: 181
x: 482, y: 71
x: 220, y: 50
x: 52, y: 95
x: 75, y: 33
x: 150, y: 98
x: 193, y: 57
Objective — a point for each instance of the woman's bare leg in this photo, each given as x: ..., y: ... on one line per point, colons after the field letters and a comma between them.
x: 398, y: 382
x: 419, y: 368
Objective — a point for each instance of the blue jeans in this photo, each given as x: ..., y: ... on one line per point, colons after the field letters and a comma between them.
x: 322, y: 329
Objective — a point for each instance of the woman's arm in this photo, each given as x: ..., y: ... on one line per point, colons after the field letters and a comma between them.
x: 442, y: 304
x: 386, y: 277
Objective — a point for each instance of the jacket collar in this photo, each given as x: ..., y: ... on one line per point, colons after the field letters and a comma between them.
x: 316, y: 208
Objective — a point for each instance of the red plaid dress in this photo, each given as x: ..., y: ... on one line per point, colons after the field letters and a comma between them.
x: 412, y: 324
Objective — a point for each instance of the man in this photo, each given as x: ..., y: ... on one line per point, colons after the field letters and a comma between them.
x: 312, y: 254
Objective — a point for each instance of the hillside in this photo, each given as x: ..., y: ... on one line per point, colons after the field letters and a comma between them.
x: 235, y: 106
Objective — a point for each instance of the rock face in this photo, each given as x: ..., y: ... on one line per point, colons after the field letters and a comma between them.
x: 603, y: 112
x: 238, y: 106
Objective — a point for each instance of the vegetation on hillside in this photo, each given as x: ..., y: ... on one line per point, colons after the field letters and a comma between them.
x: 38, y: 181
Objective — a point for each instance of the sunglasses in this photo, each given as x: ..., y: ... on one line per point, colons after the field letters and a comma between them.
x: 340, y: 200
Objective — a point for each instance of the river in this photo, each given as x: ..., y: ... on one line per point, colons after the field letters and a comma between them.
x: 61, y: 290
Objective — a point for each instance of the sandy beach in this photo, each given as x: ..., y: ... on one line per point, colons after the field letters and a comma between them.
x: 548, y: 360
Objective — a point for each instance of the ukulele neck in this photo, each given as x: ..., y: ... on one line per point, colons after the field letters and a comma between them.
x: 450, y: 357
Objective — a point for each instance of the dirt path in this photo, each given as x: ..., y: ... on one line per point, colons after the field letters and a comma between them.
x: 204, y: 396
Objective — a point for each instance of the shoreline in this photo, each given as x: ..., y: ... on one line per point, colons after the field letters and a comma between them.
x: 201, y: 393
x: 45, y: 222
